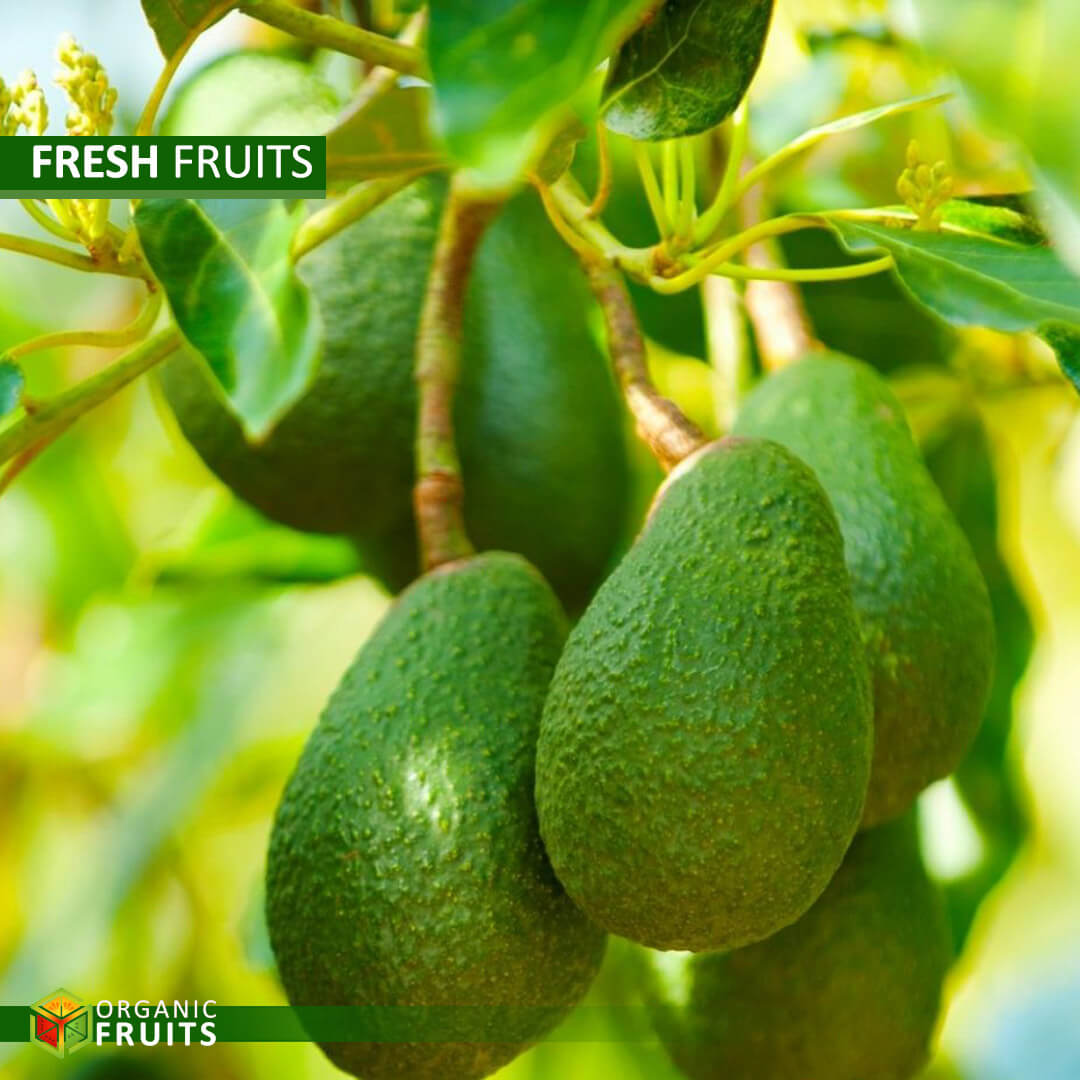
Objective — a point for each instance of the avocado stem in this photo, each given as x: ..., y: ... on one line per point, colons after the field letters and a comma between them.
x: 661, y: 424
x: 439, y: 494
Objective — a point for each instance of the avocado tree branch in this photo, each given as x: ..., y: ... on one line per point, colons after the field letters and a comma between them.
x: 439, y: 495
x: 775, y: 308
x: 331, y: 33
x: 666, y: 430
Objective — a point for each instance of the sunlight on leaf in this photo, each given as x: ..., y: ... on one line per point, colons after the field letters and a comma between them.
x: 225, y: 268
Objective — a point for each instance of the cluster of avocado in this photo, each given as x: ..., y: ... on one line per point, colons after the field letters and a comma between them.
x: 717, y: 761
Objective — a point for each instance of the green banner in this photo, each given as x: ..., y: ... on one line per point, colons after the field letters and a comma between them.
x: 371, y: 1023
x: 163, y: 166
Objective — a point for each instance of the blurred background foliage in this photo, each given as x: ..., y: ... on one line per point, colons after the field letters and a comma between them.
x: 164, y: 652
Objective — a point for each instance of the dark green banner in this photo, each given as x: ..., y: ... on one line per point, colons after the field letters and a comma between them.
x: 373, y: 1023
x: 139, y: 168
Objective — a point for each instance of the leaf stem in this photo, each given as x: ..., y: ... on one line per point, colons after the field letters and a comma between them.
x: 439, y: 495
x: 134, y: 332
x: 604, y: 180
x: 687, y: 192
x: 652, y: 190
x: 145, y: 125
x: 53, y: 416
x: 670, y: 164
x: 331, y: 33
x: 818, y: 274
x: 49, y: 224
x: 347, y: 210
x: 661, y: 424
x: 710, y: 221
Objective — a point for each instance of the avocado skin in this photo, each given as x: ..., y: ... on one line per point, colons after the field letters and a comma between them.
x: 539, y: 426
x: 705, y: 746
x: 958, y: 456
x: 850, y: 991
x: 922, y: 602
x: 405, y: 865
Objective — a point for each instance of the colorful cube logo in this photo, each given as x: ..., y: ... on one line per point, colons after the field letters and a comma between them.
x: 61, y: 1023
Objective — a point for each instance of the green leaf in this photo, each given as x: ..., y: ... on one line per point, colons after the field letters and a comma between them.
x: 225, y: 268
x: 501, y: 67
x: 233, y: 543
x: 970, y: 278
x: 1021, y: 74
x: 559, y: 155
x: 174, y: 20
x: 12, y: 382
x: 386, y: 135
x: 687, y: 69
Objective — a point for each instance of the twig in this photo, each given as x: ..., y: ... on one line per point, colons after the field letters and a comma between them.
x: 135, y: 331
x: 439, y: 495
x: 23, y: 245
x: 53, y: 416
x: 331, y: 33
x: 669, y: 434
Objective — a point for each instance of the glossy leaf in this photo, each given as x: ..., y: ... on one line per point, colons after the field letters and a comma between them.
x: 969, y: 278
x: 687, y: 68
x: 12, y: 382
x: 225, y: 268
x: 388, y: 134
x: 501, y: 67
x: 173, y: 21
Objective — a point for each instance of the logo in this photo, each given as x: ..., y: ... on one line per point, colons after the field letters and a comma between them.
x: 61, y: 1023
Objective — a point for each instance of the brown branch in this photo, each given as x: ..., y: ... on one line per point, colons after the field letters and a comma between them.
x: 439, y: 495
x: 775, y: 309
x: 661, y: 424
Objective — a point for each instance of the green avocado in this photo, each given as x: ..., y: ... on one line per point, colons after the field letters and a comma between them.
x: 922, y: 602
x: 253, y: 92
x: 705, y: 747
x: 849, y: 992
x: 405, y: 864
x: 539, y: 426
x: 957, y: 450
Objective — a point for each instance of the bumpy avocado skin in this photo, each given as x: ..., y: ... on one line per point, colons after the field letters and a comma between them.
x: 705, y: 746
x: 538, y: 421
x: 922, y: 602
x: 850, y: 991
x: 405, y: 864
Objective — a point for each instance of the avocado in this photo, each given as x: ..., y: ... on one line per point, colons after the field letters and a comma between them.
x: 253, y: 92
x: 405, y: 865
x: 849, y: 992
x: 922, y: 602
x: 956, y: 448
x: 705, y: 746
x: 539, y: 426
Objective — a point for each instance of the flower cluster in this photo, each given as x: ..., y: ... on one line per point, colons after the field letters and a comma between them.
x: 23, y: 105
x: 86, y: 83
x: 924, y: 189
